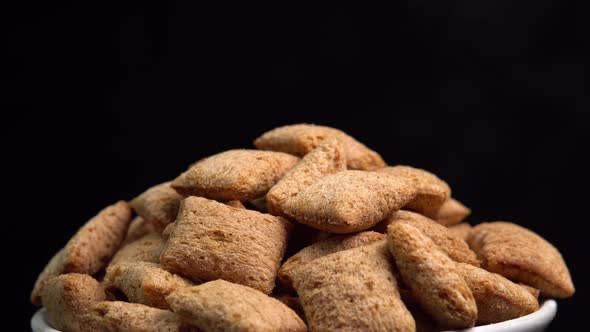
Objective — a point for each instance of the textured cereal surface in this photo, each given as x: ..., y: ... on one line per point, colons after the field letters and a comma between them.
x: 432, y: 277
x: 523, y: 256
x: 68, y: 298
x: 498, y: 299
x: 349, y: 201
x: 300, y: 139
x: 452, y: 212
x: 455, y: 247
x: 224, y: 306
x: 352, y: 290
x: 138, y: 228
x: 143, y: 282
x: 461, y: 230
x: 95, y: 243
x: 431, y: 192
x: 51, y: 270
x: 119, y: 316
x: 323, y: 248
x: 236, y: 204
x: 158, y: 205
x: 168, y: 230
x: 533, y: 291
x: 145, y: 249
x: 327, y: 158
x: 235, y: 174
x: 89, y: 249
x: 214, y: 241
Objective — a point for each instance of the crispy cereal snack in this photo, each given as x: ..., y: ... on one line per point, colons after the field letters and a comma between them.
x: 352, y: 290
x: 300, y: 139
x: 327, y: 158
x: 523, y: 256
x: 349, y: 201
x: 214, y: 241
x: 432, y: 276
x: 235, y: 174
x: 224, y: 306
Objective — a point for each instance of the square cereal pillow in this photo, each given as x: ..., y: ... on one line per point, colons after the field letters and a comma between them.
x: 235, y: 175
x: 212, y: 240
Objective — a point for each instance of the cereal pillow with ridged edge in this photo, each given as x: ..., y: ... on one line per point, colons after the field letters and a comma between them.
x: 456, y: 248
x: 90, y: 249
x: 212, y: 240
x: 117, y: 316
x: 138, y: 228
x: 323, y: 248
x: 431, y: 192
x: 349, y: 201
x: 158, y: 205
x: 432, y: 277
x: 69, y: 298
x: 327, y: 158
x: 300, y: 139
x: 352, y: 290
x: 461, y: 230
x: 452, y: 212
x: 235, y: 175
x: 497, y: 298
x: 145, y: 249
x: 523, y: 256
x: 143, y: 282
x: 224, y: 306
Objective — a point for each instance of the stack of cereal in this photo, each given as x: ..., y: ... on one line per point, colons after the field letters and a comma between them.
x: 311, y: 231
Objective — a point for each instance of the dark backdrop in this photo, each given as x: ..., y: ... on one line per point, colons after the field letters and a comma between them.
x: 109, y: 100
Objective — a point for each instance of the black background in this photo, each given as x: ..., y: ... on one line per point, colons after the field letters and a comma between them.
x: 109, y: 100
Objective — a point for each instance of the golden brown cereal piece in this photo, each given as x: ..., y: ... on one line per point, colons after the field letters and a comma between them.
x: 300, y: 139
x: 323, y: 248
x: 235, y: 174
x: 118, y: 316
x: 90, y: 248
x: 327, y: 158
x: 146, y: 249
x: 143, y: 282
x: 431, y: 192
x: 158, y: 205
x: 95, y: 243
x: 224, y: 306
x: 168, y: 230
x: 51, y: 270
x: 523, y: 256
x: 214, y: 241
x: 498, y: 299
x: 236, y: 204
x: 533, y: 291
x: 432, y: 277
x: 461, y: 230
x: 349, y: 201
x: 455, y: 247
x: 352, y: 290
x: 69, y: 297
x: 138, y: 228
x: 452, y: 212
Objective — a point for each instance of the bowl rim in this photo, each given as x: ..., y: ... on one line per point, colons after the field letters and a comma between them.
x: 539, y: 318
x: 40, y: 321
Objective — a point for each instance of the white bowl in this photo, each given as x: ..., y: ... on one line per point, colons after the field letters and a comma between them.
x: 535, y: 322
